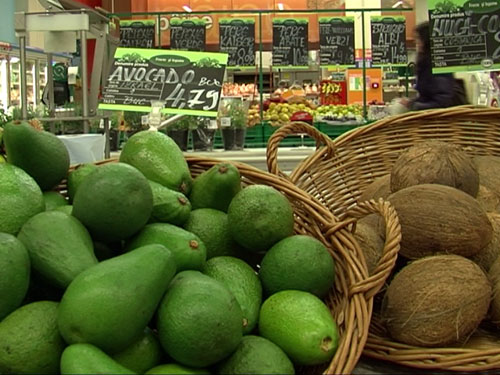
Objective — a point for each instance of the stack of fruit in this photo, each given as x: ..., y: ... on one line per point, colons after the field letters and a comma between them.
x: 340, y: 113
x: 280, y: 114
x: 144, y: 269
x: 448, y: 279
x: 253, y: 115
x: 236, y: 89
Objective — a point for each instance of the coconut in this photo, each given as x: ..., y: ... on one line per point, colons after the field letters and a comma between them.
x: 440, y: 219
x: 487, y: 256
x: 379, y: 188
x: 370, y: 242
x: 435, y: 163
x: 494, y: 275
x: 488, y: 199
x: 488, y: 168
x: 436, y: 301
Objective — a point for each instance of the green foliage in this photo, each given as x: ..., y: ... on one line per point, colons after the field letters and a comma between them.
x: 185, y: 123
x: 446, y: 6
x: 237, y: 111
x: 4, y: 117
x: 132, y: 57
x: 134, y: 119
x: 207, y: 62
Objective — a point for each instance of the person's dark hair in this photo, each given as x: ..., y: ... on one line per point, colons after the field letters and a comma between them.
x: 423, y: 34
x: 424, y: 55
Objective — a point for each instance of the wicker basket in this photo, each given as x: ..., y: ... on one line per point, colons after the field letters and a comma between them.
x: 338, y: 172
x: 351, y: 299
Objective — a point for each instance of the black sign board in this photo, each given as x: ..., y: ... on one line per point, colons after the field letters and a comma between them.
x: 465, y: 35
x: 389, y: 40
x: 137, y: 34
x: 290, y: 42
x: 188, y: 35
x: 237, y: 38
x: 336, y: 41
x: 187, y: 82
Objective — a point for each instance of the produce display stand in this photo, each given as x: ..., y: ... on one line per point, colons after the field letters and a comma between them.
x: 351, y: 298
x: 363, y: 62
x: 338, y: 173
x: 61, y: 18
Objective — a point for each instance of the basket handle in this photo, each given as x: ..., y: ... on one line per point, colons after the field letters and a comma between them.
x: 296, y: 127
x: 374, y: 283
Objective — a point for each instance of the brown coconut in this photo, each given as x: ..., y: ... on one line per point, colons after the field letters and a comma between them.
x: 436, y: 301
x: 488, y: 199
x: 487, y: 256
x: 494, y: 275
x: 370, y: 242
x: 379, y: 188
x: 488, y: 168
x: 435, y: 163
x: 438, y: 219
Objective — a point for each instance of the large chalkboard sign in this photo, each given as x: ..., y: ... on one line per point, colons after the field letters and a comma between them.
x: 389, y: 40
x: 137, y: 33
x: 465, y: 35
x: 290, y: 42
x: 237, y: 38
x: 187, y: 82
x: 336, y: 41
x: 188, y: 35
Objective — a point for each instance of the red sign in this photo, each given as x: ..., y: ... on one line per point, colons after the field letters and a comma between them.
x: 333, y: 92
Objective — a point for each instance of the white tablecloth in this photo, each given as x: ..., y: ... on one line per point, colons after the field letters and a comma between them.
x: 84, y: 148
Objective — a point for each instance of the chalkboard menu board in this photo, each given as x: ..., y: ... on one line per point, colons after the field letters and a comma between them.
x: 237, y: 38
x: 137, y: 33
x: 336, y: 41
x: 389, y: 40
x: 187, y: 82
x: 290, y: 42
x: 465, y: 35
x: 188, y: 35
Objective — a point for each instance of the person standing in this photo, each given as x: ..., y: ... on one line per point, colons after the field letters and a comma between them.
x: 434, y: 90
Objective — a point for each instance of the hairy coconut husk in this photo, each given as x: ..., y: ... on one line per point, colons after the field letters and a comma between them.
x: 370, y: 242
x: 488, y: 168
x: 438, y: 219
x: 435, y: 163
x: 487, y: 256
x: 379, y: 188
x: 436, y: 301
x: 488, y: 199
x: 494, y: 275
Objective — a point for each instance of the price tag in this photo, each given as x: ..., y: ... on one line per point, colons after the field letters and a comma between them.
x: 336, y: 41
x: 237, y: 38
x: 225, y: 122
x: 187, y: 83
x: 212, y: 124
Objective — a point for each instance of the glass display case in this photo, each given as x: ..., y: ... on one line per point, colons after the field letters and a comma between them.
x: 36, y: 76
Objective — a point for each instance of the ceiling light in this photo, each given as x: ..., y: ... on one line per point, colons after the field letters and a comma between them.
x: 281, y: 6
x: 187, y: 8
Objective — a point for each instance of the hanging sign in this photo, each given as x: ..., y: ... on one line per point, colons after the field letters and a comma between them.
x: 290, y: 42
x: 187, y: 82
x: 336, y: 41
x: 237, y: 39
x: 388, y: 40
x: 333, y: 92
x: 465, y: 35
x: 137, y: 33
x: 188, y: 35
